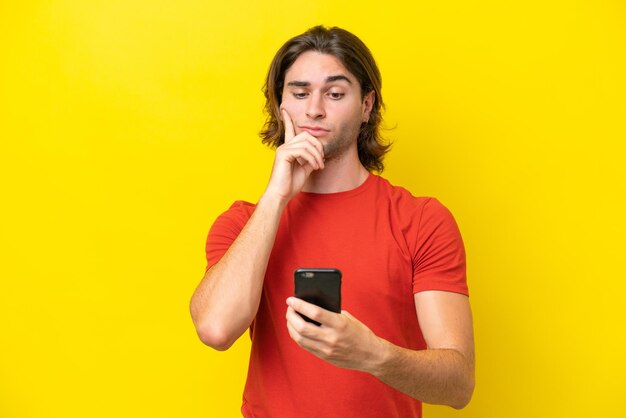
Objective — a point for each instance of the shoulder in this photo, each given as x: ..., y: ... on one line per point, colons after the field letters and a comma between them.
x: 433, y: 240
x: 226, y: 229
x: 422, y: 218
x: 233, y: 219
x: 238, y: 210
x: 407, y: 204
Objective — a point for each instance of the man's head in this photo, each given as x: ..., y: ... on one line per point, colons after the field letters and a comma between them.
x: 332, y: 50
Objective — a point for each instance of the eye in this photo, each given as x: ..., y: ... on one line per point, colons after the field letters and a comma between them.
x: 335, y: 95
x: 299, y: 94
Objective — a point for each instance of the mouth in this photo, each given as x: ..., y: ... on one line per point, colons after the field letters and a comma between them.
x: 314, y: 130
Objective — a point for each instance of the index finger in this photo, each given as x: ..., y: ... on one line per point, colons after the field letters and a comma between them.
x: 312, y: 311
x: 289, y: 129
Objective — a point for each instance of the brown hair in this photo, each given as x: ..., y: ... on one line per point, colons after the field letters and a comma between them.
x: 357, y: 59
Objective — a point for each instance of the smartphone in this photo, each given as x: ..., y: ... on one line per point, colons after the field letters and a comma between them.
x: 319, y: 286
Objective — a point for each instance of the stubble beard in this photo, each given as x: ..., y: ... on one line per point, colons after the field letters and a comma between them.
x: 338, y: 146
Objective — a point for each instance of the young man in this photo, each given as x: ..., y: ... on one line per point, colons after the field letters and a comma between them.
x: 405, y: 335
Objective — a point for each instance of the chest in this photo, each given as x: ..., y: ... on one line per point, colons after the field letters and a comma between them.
x: 366, y: 244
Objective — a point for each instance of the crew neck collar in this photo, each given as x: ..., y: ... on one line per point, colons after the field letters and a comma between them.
x: 369, y: 181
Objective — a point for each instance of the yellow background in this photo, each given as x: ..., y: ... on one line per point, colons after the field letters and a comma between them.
x: 128, y: 126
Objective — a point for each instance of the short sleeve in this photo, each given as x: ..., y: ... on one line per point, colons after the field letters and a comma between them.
x: 225, y: 230
x: 439, y: 256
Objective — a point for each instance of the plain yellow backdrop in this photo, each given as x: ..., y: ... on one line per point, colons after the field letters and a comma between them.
x: 128, y: 126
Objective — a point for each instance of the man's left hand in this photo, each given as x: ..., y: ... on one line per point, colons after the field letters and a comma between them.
x: 341, y: 339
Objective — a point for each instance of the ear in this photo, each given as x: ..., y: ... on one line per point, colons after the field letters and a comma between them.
x: 368, y: 105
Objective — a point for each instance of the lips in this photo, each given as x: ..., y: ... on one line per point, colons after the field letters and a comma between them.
x: 314, y: 130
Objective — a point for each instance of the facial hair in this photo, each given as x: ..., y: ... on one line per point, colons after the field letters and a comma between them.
x: 338, y: 146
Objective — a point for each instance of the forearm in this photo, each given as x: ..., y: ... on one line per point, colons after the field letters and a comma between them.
x: 227, y: 299
x: 436, y: 376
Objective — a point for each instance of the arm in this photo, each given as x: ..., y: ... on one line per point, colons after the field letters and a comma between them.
x: 444, y: 372
x: 441, y: 374
x: 227, y: 299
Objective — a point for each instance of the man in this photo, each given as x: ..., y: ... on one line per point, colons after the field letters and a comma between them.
x: 405, y: 335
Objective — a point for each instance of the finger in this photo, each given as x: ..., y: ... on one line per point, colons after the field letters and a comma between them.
x: 323, y: 316
x: 301, y: 330
x: 302, y: 340
x: 318, y: 146
x: 296, y: 323
x: 319, y: 149
x: 312, y: 144
x: 303, y: 157
x: 290, y: 132
x: 294, y: 334
x: 303, y: 152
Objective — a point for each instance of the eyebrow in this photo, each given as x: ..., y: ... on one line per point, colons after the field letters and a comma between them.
x: 329, y: 79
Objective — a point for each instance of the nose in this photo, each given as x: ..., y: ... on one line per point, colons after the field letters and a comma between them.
x: 315, y: 107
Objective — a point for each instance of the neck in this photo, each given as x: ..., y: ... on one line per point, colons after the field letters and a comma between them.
x: 339, y: 175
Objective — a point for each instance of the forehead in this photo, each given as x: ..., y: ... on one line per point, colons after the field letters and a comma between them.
x: 316, y: 67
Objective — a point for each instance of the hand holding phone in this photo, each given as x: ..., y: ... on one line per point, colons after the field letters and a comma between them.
x: 319, y: 286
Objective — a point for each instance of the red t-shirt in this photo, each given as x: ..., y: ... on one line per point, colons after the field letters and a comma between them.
x: 388, y: 245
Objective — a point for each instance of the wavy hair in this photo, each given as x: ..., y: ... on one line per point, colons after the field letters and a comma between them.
x: 357, y: 59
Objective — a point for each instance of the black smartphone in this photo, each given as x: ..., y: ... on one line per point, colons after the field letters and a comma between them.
x: 319, y: 286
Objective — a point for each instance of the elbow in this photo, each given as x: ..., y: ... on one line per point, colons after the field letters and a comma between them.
x: 215, y: 337
x: 461, y: 403
x: 464, y: 395
x: 213, y: 332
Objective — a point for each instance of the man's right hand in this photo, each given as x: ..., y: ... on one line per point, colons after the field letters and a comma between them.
x: 295, y: 160
x: 227, y: 299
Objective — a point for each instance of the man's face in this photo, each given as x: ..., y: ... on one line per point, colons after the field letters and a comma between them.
x: 323, y: 98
